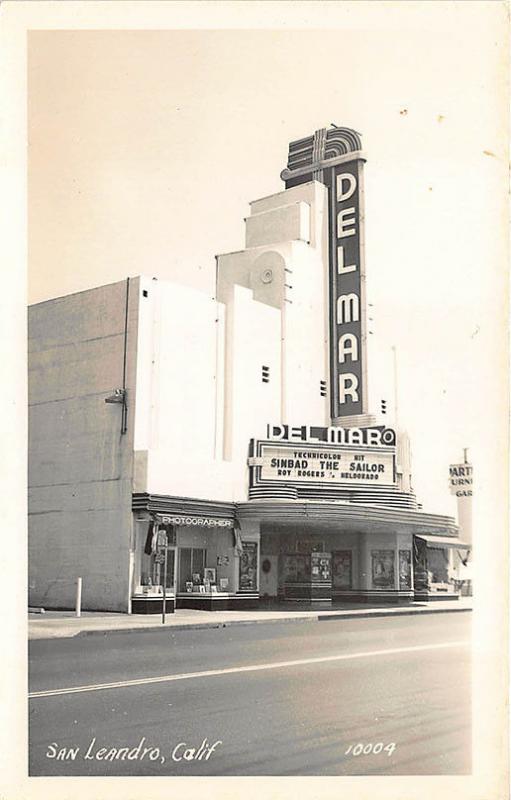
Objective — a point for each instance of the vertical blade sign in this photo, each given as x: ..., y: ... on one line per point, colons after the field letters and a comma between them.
x: 347, y: 291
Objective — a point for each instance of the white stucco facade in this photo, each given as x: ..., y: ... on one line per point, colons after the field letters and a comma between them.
x: 200, y: 359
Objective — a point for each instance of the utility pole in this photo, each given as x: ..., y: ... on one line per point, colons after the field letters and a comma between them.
x: 164, y: 606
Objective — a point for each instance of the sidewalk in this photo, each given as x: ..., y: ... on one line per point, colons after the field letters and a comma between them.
x: 63, y: 624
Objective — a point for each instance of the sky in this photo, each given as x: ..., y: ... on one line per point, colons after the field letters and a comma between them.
x: 146, y: 146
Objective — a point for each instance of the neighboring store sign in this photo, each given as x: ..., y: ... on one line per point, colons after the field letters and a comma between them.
x: 204, y: 522
x: 371, y: 437
x: 347, y: 301
x: 460, y: 479
x: 334, y: 465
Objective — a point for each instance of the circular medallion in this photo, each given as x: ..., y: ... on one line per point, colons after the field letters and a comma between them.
x: 388, y: 436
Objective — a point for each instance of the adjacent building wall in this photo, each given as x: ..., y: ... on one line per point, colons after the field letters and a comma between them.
x: 80, y: 465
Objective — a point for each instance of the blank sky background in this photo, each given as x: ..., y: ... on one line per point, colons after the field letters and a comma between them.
x: 145, y: 148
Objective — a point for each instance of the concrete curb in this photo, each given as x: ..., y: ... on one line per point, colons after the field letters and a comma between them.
x: 404, y: 613
x: 194, y: 626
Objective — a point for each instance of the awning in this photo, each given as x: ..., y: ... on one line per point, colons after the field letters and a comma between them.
x: 444, y: 541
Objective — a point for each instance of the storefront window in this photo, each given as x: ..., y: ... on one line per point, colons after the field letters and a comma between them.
x: 248, y: 567
x: 152, y: 562
x: 342, y: 569
x: 192, y: 561
x: 438, y: 563
x: 382, y: 564
x: 153, y: 569
x: 431, y: 567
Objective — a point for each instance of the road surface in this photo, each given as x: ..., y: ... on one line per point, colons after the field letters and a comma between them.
x: 369, y: 696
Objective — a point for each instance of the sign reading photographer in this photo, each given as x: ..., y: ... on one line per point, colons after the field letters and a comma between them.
x: 201, y: 522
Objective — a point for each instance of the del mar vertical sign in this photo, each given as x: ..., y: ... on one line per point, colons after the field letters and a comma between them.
x: 347, y: 300
x: 334, y: 157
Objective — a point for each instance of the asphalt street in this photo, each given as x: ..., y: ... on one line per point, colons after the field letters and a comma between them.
x: 384, y: 696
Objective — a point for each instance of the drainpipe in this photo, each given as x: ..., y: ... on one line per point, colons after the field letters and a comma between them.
x: 124, y: 424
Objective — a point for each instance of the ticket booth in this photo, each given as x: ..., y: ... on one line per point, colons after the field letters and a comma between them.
x: 307, y: 576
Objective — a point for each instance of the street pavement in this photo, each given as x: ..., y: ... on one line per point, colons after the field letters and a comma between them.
x: 362, y: 696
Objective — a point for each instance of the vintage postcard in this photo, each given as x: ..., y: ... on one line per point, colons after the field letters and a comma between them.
x: 262, y: 341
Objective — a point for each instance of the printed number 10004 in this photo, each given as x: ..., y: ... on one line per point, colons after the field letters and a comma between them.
x: 366, y: 749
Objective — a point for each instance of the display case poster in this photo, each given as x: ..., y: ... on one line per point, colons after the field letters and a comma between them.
x: 382, y: 562
x: 321, y: 567
x: 248, y: 567
x: 405, y: 569
x: 341, y: 569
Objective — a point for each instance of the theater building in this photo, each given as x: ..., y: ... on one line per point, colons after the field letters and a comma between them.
x: 229, y: 446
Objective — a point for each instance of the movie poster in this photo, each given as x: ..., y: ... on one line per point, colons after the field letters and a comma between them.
x: 382, y: 562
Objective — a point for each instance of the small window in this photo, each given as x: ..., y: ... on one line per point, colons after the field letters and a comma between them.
x: 145, y: 293
x: 265, y: 374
